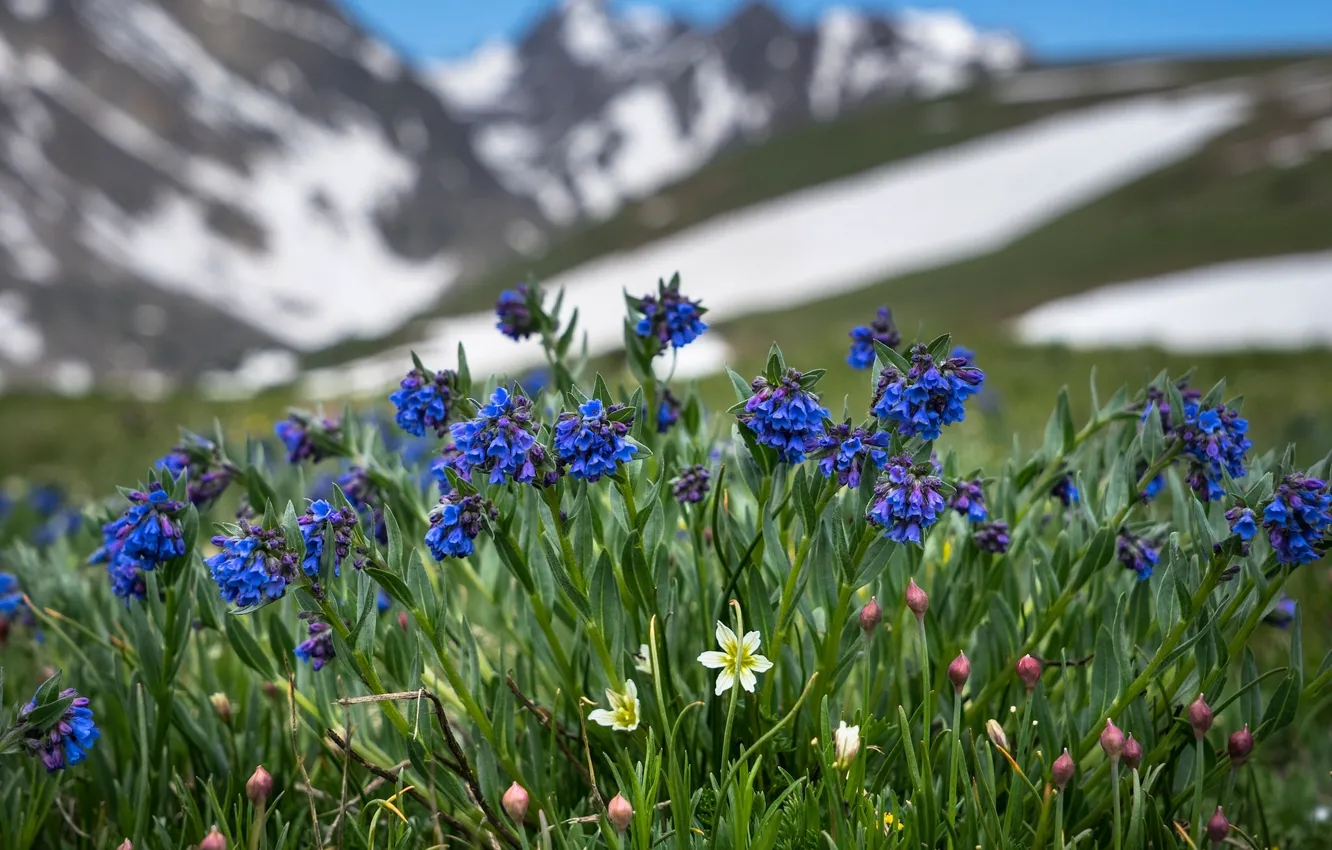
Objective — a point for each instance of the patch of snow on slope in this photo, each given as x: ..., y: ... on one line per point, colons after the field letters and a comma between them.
x: 587, y: 33
x: 30, y: 10
x: 30, y: 259
x: 1276, y: 303
x: 20, y: 342
x: 945, y: 47
x: 839, y: 31
x: 480, y: 80
x: 939, y: 208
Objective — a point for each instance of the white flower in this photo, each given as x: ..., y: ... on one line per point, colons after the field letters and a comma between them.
x: 623, y: 713
x: 738, y: 659
x: 643, y: 659
x: 846, y: 743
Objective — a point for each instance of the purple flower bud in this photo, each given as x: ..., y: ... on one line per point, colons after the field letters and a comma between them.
x: 1132, y: 753
x: 1062, y: 769
x: 619, y: 812
x: 1029, y: 671
x: 1200, y: 717
x: 870, y: 616
x: 959, y: 671
x: 916, y: 600
x: 214, y: 840
x: 259, y: 786
x: 1112, y: 741
x: 1240, y: 745
x: 1218, y: 827
x: 515, y: 802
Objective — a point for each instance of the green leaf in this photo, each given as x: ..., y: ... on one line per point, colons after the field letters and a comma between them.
x: 556, y: 564
x: 395, y: 545
x: 776, y: 367
x: 247, y: 648
x: 740, y: 385
x: 393, y: 586
x: 890, y: 358
x: 1153, y: 438
x: 1251, y: 700
x: 45, y: 714
x: 1282, y: 709
x: 464, y: 373
x: 941, y: 346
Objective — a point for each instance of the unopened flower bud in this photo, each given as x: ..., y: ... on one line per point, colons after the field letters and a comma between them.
x: 619, y: 812
x: 1112, y: 741
x: 515, y: 802
x: 1029, y: 671
x: 959, y: 671
x: 870, y: 616
x: 846, y: 743
x: 270, y: 690
x: 221, y: 705
x: 1218, y: 827
x: 916, y: 600
x: 1062, y: 769
x: 1240, y: 745
x: 1132, y: 753
x: 213, y: 841
x: 996, y: 733
x: 259, y: 786
x: 1200, y: 717
x: 126, y: 845
x: 402, y: 620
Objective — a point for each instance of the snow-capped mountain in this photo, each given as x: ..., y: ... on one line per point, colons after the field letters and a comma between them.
x: 189, y: 184
x: 600, y: 103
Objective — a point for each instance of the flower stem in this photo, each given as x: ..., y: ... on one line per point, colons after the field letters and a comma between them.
x: 1199, y: 779
x: 735, y: 684
x: 953, y: 749
x: 1114, y: 795
x: 1059, y: 821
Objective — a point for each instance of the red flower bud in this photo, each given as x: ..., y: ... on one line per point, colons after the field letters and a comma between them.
x: 213, y: 841
x: 1132, y: 753
x: 1218, y: 827
x: 619, y: 812
x: 916, y: 600
x: 515, y: 802
x: 1240, y: 745
x: 402, y: 620
x: 1112, y: 741
x: 870, y: 616
x: 959, y: 671
x: 1062, y: 769
x: 1029, y: 671
x: 259, y: 786
x: 1200, y: 717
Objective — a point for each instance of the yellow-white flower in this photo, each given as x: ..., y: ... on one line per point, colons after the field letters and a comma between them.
x: 846, y: 743
x: 738, y: 659
x: 623, y: 713
x: 643, y: 659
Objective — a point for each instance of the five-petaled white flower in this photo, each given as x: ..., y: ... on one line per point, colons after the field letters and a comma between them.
x: 623, y: 713
x: 643, y: 659
x: 738, y: 659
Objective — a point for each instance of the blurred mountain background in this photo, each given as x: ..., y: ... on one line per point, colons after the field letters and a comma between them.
x: 218, y: 207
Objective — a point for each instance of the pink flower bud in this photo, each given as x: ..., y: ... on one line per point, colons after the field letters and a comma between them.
x: 515, y: 802
x: 259, y: 786
x: 1218, y: 827
x: 1112, y: 741
x: 1200, y: 717
x: 213, y: 841
x: 1240, y: 745
x: 270, y: 690
x: 959, y: 671
x: 222, y: 707
x: 619, y: 812
x: 402, y: 620
x: 1132, y: 753
x: 1062, y: 769
x: 1029, y: 671
x: 916, y: 600
x: 870, y: 616
x: 126, y: 845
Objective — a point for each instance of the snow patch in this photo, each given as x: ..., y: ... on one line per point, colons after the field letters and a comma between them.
x: 940, y: 208
x: 480, y: 80
x: 1277, y: 303
x: 30, y: 10
x: 258, y: 371
x: 587, y: 34
x: 20, y: 342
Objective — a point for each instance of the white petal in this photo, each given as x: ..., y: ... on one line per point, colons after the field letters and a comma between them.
x: 725, y: 679
x: 747, y: 680
x: 751, y: 642
x: 714, y: 660
x: 725, y: 638
x: 630, y: 690
x: 758, y: 664
x: 602, y: 716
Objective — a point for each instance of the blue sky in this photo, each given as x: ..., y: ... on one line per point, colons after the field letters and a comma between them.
x: 1055, y: 29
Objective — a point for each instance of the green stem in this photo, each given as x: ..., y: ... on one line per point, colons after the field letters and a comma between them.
x: 627, y: 491
x: 1017, y: 790
x: 926, y: 721
x: 953, y: 749
x: 1199, y: 779
x: 1114, y: 792
x: 735, y: 685
x: 1059, y: 822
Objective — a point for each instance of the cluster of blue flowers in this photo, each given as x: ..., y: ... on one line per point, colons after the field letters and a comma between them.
x: 300, y: 435
x: 455, y: 523
x: 843, y: 451
x: 1214, y: 440
x: 991, y: 537
x: 692, y: 484
x: 1065, y: 490
x: 669, y: 318
x: 928, y: 396
x: 253, y: 567
x: 198, y: 459
x: 423, y: 401
x: 147, y: 534
x: 1243, y: 524
x: 591, y: 443
x: 668, y: 412
x: 365, y: 496
x: 784, y: 415
x: 66, y: 740
x: 501, y: 440
x: 444, y: 461
x: 968, y: 499
x: 11, y: 595
x: 318, y: 517
x: 1137, y: 553
x: 1298, y: 519
x: 515, y: 316
x: 1282, y: 614
x: 317, y: 649
x: 863, y: 337
x: 907, y: 500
